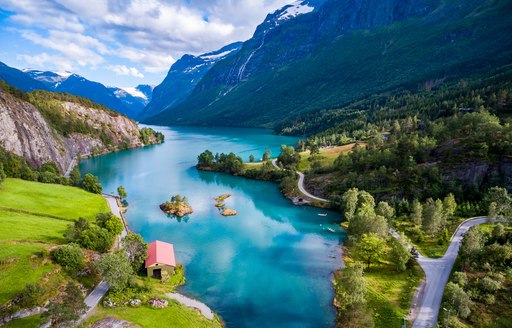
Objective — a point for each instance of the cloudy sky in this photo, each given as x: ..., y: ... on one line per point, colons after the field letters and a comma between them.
x: 122, y: 42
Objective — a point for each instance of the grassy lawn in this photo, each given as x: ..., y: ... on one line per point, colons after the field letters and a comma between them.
x: 28, y: 322
x: 390, y: 293
x: 24, y: 236
x: 69, y: 202
x: 21, y: 267
x: 326, y: 157
x: 30, y: 228
x: 175, y: 315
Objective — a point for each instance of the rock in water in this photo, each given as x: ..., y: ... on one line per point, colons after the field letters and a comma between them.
x: 228, y: 212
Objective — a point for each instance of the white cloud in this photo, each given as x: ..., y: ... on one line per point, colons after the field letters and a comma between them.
x: 148, y: 33
x: 124, y: 70
x: 44, y: 61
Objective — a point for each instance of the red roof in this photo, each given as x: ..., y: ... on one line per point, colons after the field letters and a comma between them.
x: 161, y: 253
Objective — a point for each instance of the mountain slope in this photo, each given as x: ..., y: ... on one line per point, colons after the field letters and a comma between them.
x: 182, y: 78
x: 19, y: 79
x: 134, y: 99
x: 344, y: 51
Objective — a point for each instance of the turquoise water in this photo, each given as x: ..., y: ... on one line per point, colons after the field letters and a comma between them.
x: 268, y: 266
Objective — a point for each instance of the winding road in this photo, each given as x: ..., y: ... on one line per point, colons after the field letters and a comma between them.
x: 437, y: 271
x: 301, y: 184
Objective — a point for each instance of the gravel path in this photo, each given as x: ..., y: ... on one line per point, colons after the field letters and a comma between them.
x: 189, y: 302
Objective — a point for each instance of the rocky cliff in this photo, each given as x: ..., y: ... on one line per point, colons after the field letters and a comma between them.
x: 25, y: 131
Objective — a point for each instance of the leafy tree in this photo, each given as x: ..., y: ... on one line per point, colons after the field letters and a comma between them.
x: 121, y: 192
x: 366, y: 221
x: 74, y: 231
x: 460, y: 278
x: 449, y: 205
x: 502, y: 200
x: 70, y: 309
x: 498, y: 231
x: 288, y: 156
x: 350, y: 287
x: 458, y: 299
x: 400, y: 254
x: 92, y: 184
x: 251, y: 158
x: 116, y: 269
x: 32, y: 295
x: 110, y: 222
x: 70, y: 257
x: 96, y: 238
x: 2, y: 173
x: 493, y: 211
x: 266, y: 155
x: 205, y: 159
x: 432, y: 216
x: 417, y: 212
x: 75, y: 176
x: 369, y: 248
x: 472, y: 244
x: 349, y: 203
x: 489, y: 285
x: 383, y: 209
x: 135, y: 249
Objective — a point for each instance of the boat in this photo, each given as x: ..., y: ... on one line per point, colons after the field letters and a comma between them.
x: 322, y: 214
x: 331, y: 229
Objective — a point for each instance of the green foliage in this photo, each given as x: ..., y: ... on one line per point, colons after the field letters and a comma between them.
x: 69, y: 309
x: 116, y: 269
x: 75, y: 176
x: 2, y: 173
x: 228, y: 163
x: 149, y: 136
x: 122, y: 192
x: 266, y: 155
x: 399, y: 254
x: 458, y: 300
x: 498, y: 201
x: 70, y: 257
x: 251, y: 158
x: 89, y: 236
x: 30, y: 296
x: 92, y: 184
x: 350, y: 287
x: 110, y: 222
x: 288, y: 157
x: 369, y: 249
x: 136, y: 250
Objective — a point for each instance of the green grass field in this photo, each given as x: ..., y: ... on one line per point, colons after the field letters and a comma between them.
x: 390, y: 293
x: 326, y: 157
x: 175, y: 315
x: 68, y: 202
x: 29, y: 322
x: 24, y: 236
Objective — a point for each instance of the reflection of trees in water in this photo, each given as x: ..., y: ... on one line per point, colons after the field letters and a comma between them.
x: 183, y: 219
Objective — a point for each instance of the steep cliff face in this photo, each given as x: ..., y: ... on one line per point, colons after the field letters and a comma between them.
x: 25, y: 132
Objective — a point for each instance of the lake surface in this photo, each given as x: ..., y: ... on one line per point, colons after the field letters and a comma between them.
x: 268, y: 266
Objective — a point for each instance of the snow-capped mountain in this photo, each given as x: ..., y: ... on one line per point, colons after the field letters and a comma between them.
x: 128, y: 101
x: 182, y: 78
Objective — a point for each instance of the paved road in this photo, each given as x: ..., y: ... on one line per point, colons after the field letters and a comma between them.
x: 301, y: 184
x: 205, y: 310
x: 437, y: 272
x: 70, y: 167
x: 112, y: 203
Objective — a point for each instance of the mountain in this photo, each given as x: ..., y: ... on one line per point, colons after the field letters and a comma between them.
x: 311, y: 55
x: 19, y: 79
x: 58, y: 127
x: 134, y: 99
x: 182, y: 77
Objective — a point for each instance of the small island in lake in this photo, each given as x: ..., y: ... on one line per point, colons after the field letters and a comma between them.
x: 228, y: 212
x: 178, y: 206
x: 222, y: 198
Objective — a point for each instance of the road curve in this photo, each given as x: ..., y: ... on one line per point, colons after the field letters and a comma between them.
x: 437, y: 272
x: 301, y: 184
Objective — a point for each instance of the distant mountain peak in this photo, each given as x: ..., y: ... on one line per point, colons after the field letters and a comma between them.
x: 295, y: 9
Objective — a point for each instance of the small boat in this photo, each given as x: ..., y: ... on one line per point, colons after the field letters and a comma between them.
x: 331, y: 229
x: 322, y: 214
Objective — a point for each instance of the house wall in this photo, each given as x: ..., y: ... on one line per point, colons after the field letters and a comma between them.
x: 164, y: 267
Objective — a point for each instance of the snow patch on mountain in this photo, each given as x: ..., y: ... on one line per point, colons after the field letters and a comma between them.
x: 295, y: 9
x: 132, y: 91
x: 217, y: 56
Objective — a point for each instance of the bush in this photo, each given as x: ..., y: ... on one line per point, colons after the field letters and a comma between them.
x: 116, y: 269
x: 96, y: 238
x: 30, y: 296
x: 110, y: 222
x: 91, y: 183
x: 70, y: 257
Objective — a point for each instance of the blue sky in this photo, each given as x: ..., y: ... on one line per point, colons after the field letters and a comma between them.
x: 122, y: 42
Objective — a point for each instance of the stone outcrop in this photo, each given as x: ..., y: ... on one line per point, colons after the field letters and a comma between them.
x: 25, y: 132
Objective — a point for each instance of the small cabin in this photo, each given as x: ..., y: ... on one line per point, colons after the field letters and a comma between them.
x: 160, y: 258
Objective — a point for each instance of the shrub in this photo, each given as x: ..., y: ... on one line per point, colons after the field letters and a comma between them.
x: 30, y: 296
x: 116, y: 269
x: 110, y: 222
x: 91, y: 184
x: 70, y: 257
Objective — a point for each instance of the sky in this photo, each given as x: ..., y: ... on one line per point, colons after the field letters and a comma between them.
x: 122, y: 43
